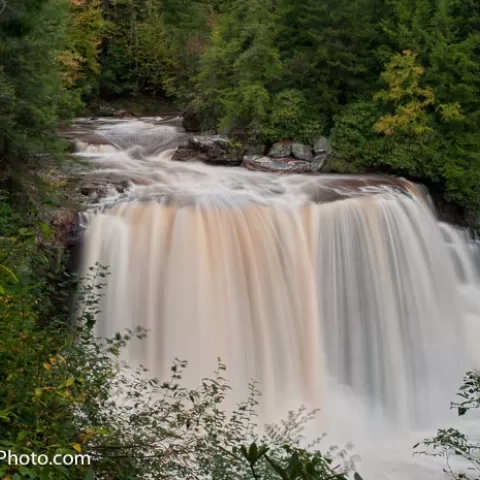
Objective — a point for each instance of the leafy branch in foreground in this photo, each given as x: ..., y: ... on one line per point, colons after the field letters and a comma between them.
x: 450, y: 443
x: 65, y: 392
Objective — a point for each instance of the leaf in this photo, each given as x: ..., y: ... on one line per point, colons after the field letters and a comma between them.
x: 89, y: 475
x: 24, y: 232
x: 252, y: 453
x: 77, y: 447
x: 6, y: 269
x: 70, y: 382
x: 47, y: 366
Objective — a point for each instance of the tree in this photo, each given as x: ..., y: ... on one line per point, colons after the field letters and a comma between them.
x: 32, y: 93
x: 409, y: 101
x: 84, y: 34
x: 239, y: 68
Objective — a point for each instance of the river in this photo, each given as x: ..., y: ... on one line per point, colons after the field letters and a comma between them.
x: 338, y: 292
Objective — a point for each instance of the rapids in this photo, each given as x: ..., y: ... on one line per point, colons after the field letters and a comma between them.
x: 338, y: 292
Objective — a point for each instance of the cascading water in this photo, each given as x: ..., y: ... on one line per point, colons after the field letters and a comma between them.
x: 364, y: 302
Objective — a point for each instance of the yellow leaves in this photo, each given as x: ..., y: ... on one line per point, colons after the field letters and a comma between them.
x: 410, y: 100
x: 77, y: 447
x: 450, y: 112
x: 85, y: 34
x: 47, y: 366
x: 70, y: 382
x: 71, y: 63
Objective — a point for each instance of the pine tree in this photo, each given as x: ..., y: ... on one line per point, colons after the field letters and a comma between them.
x: 240, y: 67
x: 32, y: 93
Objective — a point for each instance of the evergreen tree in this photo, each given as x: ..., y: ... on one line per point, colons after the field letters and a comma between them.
x: 32, y: 93
x: 240, y: 66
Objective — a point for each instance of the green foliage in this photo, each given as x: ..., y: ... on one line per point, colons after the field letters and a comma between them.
x: 80, y: 58
x: 409, y: 100
x: 152, y: 46
x: 353, y: 136
x: 65, y: 392
x: 449, y: 443
x: 411, y: 130
x: 239, y: 67
x: 32, y: 94
x: 292, y: 117
x: 262, y: 71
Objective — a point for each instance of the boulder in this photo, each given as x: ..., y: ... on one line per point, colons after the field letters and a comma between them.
x: 251, y: 150
x: 214, y: 149
x: 321, y: 145
x: 300, y: 151
x: 276, y: 165
x: 191, y: 121
x: 280, y: 149
x: 319, y: 162
x: 94, y: 189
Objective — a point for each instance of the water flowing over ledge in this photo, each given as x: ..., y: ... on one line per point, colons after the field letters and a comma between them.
x: 313, y: 285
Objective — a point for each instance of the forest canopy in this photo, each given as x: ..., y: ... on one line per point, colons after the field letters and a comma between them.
x: 395, y: 84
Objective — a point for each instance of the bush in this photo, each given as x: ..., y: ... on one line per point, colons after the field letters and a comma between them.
x: 449, y: 443
x: 64, y: 392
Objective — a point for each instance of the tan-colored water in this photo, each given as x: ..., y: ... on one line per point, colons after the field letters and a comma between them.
x: 306, y: 295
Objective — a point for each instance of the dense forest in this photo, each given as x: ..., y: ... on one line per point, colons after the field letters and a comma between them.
x: 393, y: 83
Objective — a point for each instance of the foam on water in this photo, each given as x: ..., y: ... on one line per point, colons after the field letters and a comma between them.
x: 337, y: 292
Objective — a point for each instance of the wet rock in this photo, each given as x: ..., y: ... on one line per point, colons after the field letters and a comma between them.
x: 213, y: 149
x: 121, y: 113
x: 321, y: 145
x: 100, y: 187
x: 251, y: 150
x: 276, y: 165
x: 185, y: 154
x: 319, y: 162
x: 191, y: 121
x: 280, y: 149
x: 300, y: 151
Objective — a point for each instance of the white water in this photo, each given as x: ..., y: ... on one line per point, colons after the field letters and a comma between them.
x: 365, y: 306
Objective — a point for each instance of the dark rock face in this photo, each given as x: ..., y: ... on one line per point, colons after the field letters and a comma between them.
x: 67, y: 227
x: 300, y: 151
x: 213, y: 149
x: 191, y: 121
x: 276, y: 165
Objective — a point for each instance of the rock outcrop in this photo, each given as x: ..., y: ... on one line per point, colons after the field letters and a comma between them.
x: 191, y: 121
x: 281, y: 149
x: 300, y: 151
x: 212, y: 149
x: 290, y: 157
x: 276, y: 165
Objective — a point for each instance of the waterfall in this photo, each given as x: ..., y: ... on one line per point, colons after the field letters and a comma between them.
x: 299, y: 282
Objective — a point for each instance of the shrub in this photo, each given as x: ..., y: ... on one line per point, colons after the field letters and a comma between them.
x: 65, y: 392
x: 449, y: 443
